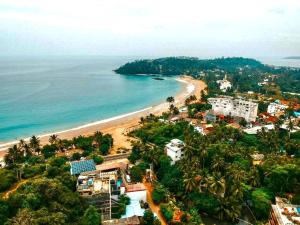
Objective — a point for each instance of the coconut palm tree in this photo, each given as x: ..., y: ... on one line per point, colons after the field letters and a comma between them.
x: 290, y: 127
x: 21, y: 143
x: 189, y: 181
x: 170, y: 99
x: 60, y: 145
x: 254, y: 178
x: 34, y: 144
x: 53, y: 139
x: 229, y: 208
x: 27, y: 150
x: 216, y: 184
x: 13, y: 155
x: 218, y: 163
x: 98, y: 136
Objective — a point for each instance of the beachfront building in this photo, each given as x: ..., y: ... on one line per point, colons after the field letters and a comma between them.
x: 175, y: 150
x: 103, y: 187
x: 275, y: 108
x: 96, y: 188
x: 78, y: 167
x: 224, y: 84
x: 227, y: 105
x: 283, y: 213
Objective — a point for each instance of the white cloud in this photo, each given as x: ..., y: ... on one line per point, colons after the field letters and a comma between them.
x: 137, y: 24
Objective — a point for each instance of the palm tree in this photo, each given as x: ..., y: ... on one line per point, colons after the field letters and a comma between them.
x: 290, y: 127
x: 216, y: 185
x: 203, y: 153
x: 60, y: 145
x: 189, y: 181
x: 218, y: 163
x: 13, y: 155
x: 21, y: 143
x: 229, y: 208
x: 34, y: 144
x: 53, y: 139
x: 171, y: 108
x: 27, y: 150
x: 170, y: 99
x: 98, y: 138
x: 254, y: 178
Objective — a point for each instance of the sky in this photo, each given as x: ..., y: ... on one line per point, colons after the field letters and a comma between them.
x: 202, y: 28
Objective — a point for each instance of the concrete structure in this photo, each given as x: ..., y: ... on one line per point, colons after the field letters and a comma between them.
x: 257, y: 158
x: 227, y: 105
x: 136, y: 193
x: 224, y: 84
x: 103, y: 187
x: 283, y: 213
x: 174, y: 150
x: 256, y: 129
x: 276, y: 108
x: 134, y: 220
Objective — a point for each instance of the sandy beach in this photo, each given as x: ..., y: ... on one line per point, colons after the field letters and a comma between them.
x: 119, y: 125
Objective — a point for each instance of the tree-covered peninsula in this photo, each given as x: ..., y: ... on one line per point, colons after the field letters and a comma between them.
x: 245, y: 74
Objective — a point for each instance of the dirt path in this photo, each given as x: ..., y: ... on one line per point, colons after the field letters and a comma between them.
x: 155, y: 208
x: 13, y: 188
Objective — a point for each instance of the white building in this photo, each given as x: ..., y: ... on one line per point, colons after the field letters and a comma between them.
x: 274, y: 108
x: 283, y: 213
x: 174, y: 150
x: 227, y: 105
x: 224, y: 84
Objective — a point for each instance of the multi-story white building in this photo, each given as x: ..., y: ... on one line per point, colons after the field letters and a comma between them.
x: 275, y: 108
x: 175, y: 150
x: 227, y: 105
x: 224, y: 84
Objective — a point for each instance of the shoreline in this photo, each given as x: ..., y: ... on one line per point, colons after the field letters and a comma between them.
x: 117, y: 125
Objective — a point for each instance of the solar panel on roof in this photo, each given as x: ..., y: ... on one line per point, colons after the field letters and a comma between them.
x: 82, y: 166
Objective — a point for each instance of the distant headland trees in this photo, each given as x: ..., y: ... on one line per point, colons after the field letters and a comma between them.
x: 245, y: 74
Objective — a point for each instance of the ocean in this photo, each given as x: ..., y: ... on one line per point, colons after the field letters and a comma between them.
x: 46, y: 94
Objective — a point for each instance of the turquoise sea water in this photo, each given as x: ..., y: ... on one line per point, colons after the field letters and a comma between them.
x: 47, y: 94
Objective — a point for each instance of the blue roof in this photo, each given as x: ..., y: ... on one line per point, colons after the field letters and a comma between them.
x: 78, y: 167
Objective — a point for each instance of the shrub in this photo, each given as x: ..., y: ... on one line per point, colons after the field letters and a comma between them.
x: 136, y: 174
x: 31, y: 171
x: 158, y: 194
x: 8, y: 178
x: 167, y: 212
x: 296, y: 199
x: 76, y: 156
x: 97, y: 158
x: 261, y: 199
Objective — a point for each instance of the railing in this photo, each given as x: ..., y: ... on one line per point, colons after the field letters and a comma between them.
x: 117, y: 156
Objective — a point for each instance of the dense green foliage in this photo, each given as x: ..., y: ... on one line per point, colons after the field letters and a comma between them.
x: 216, y: 175
x: 159, y: 133
x: 48, y: 195
x: 49, y: 199
x: 183, y: 65
x: 91, y: 216
x: 261, y: 200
